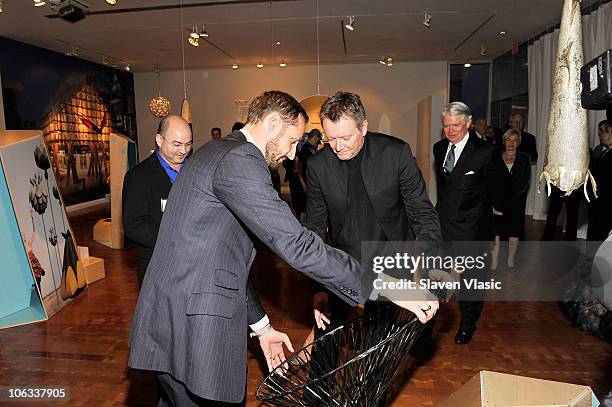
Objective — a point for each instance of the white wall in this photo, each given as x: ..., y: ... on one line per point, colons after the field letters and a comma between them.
x: 390, y: 96
x: 2, y: 123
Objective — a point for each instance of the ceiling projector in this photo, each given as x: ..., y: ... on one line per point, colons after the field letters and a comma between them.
x: 70, y: 10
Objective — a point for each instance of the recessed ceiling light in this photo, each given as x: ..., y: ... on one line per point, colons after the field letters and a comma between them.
x: 503, y: 32
x: 111, y: 2
x: 382, y: 61
x: 38, y: 3
x: 127, y: 67
x: 467, y: 65
x: 260, y: 65
x: 235, y: 66
x: 282, y: 64
x: 389, y: 62
x: 277, y: 43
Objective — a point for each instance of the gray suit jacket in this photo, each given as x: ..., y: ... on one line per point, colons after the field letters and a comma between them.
x: 195, y: 302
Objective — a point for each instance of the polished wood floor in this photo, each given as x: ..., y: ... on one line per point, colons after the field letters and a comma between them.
x: 84, y: 346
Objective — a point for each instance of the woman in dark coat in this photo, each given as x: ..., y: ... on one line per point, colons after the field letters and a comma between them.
x: 511, y: 223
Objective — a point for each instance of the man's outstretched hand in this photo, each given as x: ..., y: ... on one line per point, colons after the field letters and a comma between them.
x: 424, y: 310
x: 271, y: 342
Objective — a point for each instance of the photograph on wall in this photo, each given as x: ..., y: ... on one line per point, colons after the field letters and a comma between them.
x: 76, y: 104
x: 42, y: 221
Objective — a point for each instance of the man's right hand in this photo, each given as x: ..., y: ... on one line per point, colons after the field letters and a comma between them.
x: 322, y: 313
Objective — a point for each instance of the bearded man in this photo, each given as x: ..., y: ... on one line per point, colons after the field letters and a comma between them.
x: 196, y: 300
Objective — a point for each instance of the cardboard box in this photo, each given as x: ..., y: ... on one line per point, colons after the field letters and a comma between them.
x: 102, y: 232
x: 94, y: 269
x: 492, y: 389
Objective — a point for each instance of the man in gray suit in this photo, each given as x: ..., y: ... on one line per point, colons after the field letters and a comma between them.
x: 196, y: 300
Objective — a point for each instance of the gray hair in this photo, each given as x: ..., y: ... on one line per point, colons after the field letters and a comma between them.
x: 457, y: 109
x: 509, y: 133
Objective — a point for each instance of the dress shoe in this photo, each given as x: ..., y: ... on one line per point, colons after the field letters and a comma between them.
x: 463, y: 336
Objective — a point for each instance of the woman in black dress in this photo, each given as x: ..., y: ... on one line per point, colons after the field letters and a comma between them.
x: 511, y: 223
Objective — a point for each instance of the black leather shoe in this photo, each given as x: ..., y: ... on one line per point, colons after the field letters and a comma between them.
x: 464, y: 336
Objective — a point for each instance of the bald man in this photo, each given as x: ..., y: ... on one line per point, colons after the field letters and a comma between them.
x: 146, y: 187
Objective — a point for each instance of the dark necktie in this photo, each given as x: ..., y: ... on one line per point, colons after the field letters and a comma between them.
x: 449, y: 164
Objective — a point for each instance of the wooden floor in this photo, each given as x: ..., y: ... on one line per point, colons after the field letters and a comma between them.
x: 84, y: 346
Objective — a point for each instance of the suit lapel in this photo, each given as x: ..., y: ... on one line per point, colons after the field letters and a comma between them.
x: 464, y: 157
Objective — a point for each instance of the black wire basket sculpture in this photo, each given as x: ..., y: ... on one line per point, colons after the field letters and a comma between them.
x: 352, y: 365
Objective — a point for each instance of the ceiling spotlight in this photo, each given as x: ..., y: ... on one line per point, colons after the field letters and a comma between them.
x: 1, y: 6
x: 111, y: 2
x: 203, y: 33
x: 38, y: 3
x: 277, y: 43
x: 194, y: 41
x: 282, y: 64
x: 427, y: 19
x: 194, y: 32
x: 351, y: 23
x: 503, y: 33
x: 483, y: 51
x: 127, y: 67
x: 235, y: 66
x: 467, y: 65
x: 389, y: 62
x: 260, y: 65
x: 382, y: 61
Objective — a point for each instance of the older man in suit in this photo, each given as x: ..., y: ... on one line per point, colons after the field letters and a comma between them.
x: 470, y: 183
x: 146, y: 187
x: 196, y: 300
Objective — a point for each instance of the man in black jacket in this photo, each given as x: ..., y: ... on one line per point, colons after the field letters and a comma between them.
x: 471, y: 188
x: 528, y: 140
x: 363, y: 186
x: 146, y: 187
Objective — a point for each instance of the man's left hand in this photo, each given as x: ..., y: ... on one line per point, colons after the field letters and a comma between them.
x: 272, y: 346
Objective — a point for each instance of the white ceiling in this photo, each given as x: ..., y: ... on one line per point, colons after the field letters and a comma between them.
x: 245, y: 31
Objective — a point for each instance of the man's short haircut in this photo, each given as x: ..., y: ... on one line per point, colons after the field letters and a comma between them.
x: 215, y: 129
x: 456, y: 109
x: 237, y: 126
x: 315, y: 133
x: 343, y: 104
x: 602, y: 124
x: 276, y: 101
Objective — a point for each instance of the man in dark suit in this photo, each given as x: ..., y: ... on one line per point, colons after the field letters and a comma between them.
x: 196, y: 299
x: 146, y: 187
x: 363, y: 186
x: 528, y: 140
x: 469, y: 179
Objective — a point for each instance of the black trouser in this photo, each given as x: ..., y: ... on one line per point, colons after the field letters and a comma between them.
x: 572, y: 202
x: 175, y: 394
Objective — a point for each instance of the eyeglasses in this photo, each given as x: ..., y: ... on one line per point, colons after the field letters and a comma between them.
x: 176, y: 145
